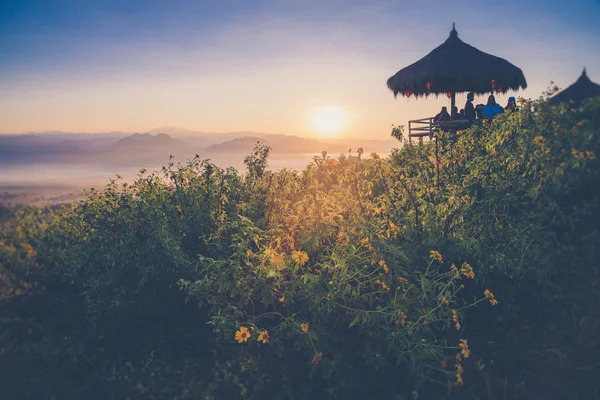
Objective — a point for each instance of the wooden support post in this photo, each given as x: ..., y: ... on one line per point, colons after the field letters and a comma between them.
x: 452, y: 105
x: 437, y: 162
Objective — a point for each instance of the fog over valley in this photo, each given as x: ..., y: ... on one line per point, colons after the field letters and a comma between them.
x: 55, y: 166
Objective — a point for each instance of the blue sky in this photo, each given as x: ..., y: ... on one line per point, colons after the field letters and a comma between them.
x: 80, y: 65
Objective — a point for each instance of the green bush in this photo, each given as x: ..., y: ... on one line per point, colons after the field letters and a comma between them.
x: 472, y: 274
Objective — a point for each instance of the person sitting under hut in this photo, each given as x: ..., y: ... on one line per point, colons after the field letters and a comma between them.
x: 442, y: 116
x: 479, y: 111
x: 512, y: 104
x: 492, y: 108
x: 469, y: 108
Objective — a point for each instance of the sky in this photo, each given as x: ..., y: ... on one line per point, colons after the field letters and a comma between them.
x: 262, y: 65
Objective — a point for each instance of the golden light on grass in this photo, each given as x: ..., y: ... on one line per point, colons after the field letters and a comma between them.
x: 328, y: 121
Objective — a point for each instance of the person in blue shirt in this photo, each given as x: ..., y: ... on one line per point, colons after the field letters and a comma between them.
x: 512, y: 104
x: 492, y: 108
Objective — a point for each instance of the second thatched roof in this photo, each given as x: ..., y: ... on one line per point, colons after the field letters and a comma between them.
x: 582, y: 89
x: 455, y: 67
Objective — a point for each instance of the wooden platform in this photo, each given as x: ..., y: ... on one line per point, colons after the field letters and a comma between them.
x: 425, y: 127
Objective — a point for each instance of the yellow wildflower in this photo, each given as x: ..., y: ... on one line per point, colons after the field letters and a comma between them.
x: 375, y: 156
x: 455, y: 319
x: 282, y: 299
x: 459, y: 373
x: 467, y: 271
x: 317, y: 358
x: 464, y: 348
x: 383, y: 265
x: 264, y: 336
x: 444, y: 300
x: 454, y: 269
x: 435, y: 255
x: 401, y: 318
x: 242, y: 335
x: 304, y: 327
x: 382, y: 284
x: 403, y: 281
x: 143, y: 171
x: 330, y: 163
x: 539, y: 140
x: 577, y: 154
x: 300, y: 257
x: 379, y: 210
x: 590, y: 155
x: 490, y: 296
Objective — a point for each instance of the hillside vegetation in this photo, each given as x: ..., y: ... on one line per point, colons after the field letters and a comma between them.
x: 474, y: 276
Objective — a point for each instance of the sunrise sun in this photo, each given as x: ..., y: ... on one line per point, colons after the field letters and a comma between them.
x: 327, y: 121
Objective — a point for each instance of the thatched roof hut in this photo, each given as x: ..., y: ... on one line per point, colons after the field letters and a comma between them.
x: 582, y: 89
x: 455, y: 67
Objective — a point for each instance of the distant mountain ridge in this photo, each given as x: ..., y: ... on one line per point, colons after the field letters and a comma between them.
x: 156, y: 145
x: 146, y: 139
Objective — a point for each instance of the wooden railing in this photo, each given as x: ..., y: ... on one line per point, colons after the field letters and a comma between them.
x: 420, y: 128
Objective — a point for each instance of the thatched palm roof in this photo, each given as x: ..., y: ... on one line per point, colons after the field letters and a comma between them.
x: 455, y: 67
x: 582, y: 89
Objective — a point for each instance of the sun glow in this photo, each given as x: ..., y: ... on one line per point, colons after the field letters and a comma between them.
x: 327, y: 121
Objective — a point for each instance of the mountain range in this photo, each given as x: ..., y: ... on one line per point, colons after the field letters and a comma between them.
x: 157, y: 144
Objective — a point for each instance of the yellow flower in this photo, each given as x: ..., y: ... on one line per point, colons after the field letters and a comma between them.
x: 264, y: 336
x: 578, y: 154
x: 490, y: 296
x: 304, y: 327
x: 383, y: 265
x: 401, y: 318
x: 455, y: 319
x: 459, y: 374
x: 539, y: 140
x: 317, y: 358
x: 435, y: 255
x: 282, y: 299
x: 375, y: 156
x: 454, y: 269
x: 382, y: 284
x: 403, y: 281
x: 242, y: 335
x: 300, y: 257
x: 330, y: 163
x: 467, y: 271
x: 590, y: 155
x: 464, y: 348
x: 379, y: 210
x: 444, y: 300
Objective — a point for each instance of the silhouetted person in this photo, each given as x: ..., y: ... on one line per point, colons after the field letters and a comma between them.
x: 455, y: 111
x: 512, y: 104
x: 461, y: 114
x: 442, y: 116
x: 492, y: 108
x: 479, y: 111
x: 470, y: 113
